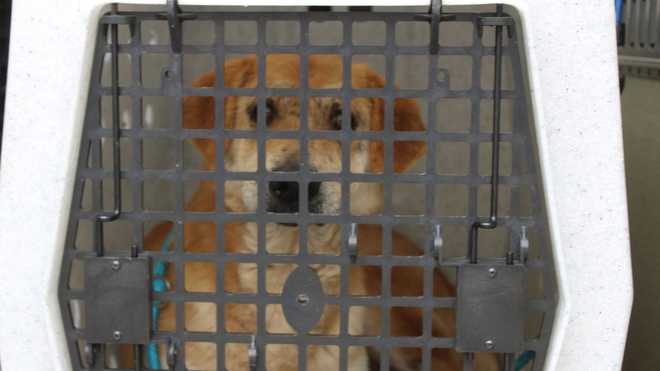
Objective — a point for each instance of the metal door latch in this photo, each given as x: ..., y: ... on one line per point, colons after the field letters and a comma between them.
x: 524, y: 245
x: 253, y: 354
x: 172, y: 354
x: 351, y: 245
x: 492, y: 297
x: 436, y: 246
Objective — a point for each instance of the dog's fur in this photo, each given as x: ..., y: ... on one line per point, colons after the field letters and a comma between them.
x: 240, y: 155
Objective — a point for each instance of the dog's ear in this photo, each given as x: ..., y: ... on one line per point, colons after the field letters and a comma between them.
x: 199, y: 112
x: 407, y: 118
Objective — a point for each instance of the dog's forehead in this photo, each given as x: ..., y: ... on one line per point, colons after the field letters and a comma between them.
x: 323, y: 72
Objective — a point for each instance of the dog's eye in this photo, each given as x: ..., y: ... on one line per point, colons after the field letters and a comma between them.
x: 335, y: 116
x: 354, y: 122
x: 336, y: 113
x: 252, y: 111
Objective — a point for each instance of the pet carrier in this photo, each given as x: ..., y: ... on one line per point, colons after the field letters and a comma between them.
x: 204, y: 186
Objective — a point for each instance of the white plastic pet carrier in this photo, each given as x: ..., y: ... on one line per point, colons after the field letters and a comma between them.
x: 500, y: 117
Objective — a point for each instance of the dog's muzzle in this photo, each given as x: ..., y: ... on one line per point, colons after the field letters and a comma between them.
x: 284, y: 197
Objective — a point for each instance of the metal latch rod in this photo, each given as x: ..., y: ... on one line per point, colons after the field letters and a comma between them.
x: 116, y: 154
x: 113, y: 20
x: 491, y: 222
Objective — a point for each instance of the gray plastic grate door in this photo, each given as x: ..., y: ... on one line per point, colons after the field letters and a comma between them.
x: 329, y: 236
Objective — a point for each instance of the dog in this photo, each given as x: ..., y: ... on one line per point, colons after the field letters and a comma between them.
x: 282, y: 155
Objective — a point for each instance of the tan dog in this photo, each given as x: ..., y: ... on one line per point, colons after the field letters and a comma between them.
x: 324, y: 113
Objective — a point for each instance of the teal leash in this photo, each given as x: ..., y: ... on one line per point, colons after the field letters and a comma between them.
x: 158, y: 284
x: 524, y: 359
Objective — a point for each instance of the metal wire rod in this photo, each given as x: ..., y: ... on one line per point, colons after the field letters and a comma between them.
x: 491, y: 222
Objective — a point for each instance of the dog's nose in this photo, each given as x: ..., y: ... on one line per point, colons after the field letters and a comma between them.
x: 314, y: 190
x: 285, y: 193
x: 283, y: 196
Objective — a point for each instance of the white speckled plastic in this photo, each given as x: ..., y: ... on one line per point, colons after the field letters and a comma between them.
x: 572, y: 65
